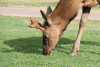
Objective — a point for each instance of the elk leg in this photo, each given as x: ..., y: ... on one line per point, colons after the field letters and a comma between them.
x: 84, y: 17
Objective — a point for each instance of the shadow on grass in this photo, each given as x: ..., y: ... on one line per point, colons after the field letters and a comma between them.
x: 25, y: 45
x: 34, y: 45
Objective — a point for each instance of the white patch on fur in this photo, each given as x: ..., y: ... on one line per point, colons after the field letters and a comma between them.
x: 84, y: 17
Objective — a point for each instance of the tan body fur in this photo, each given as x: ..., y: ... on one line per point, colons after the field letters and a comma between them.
x: 57, y: 21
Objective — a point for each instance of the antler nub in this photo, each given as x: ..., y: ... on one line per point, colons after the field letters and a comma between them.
x: 36, y: 24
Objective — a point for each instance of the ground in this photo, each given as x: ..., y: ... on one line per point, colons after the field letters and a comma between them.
x: 21, y: 46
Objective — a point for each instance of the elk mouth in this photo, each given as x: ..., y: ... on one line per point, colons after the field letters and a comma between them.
x: 47, y: 53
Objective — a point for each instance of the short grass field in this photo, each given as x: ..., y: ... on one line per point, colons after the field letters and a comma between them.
x: 33, y: 3
x: 21, y: 46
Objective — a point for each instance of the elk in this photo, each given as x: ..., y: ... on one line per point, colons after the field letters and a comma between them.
x: 57, y: 20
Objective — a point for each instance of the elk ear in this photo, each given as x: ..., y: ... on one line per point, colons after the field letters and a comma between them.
x: 43, y: 15
x: 49, y: 10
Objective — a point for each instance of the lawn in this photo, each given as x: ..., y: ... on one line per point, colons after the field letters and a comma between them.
x: 21, y: 46
x: 33, y: 3
x: 29, y: 3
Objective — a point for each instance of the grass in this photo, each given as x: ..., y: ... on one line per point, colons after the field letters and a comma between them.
x: 28, y: 3
x: 21, y: 46
x: 33, y: 3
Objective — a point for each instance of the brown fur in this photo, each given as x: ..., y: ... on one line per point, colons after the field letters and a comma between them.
x: 56, y: 22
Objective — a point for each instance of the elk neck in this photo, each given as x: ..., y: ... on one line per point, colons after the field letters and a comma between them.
x: 65, y: 11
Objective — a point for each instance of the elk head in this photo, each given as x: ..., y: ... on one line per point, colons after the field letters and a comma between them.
x: 51, y: 32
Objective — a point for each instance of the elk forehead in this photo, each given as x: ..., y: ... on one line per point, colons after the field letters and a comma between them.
x: 52, y: 29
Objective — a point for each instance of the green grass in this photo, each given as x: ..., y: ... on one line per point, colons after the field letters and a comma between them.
x: 96, y: 8
x: 21, y: 46
x: 33, y: 3
x: 30, y: 3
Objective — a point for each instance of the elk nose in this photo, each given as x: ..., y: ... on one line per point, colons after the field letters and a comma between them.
x: 46, y: 53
